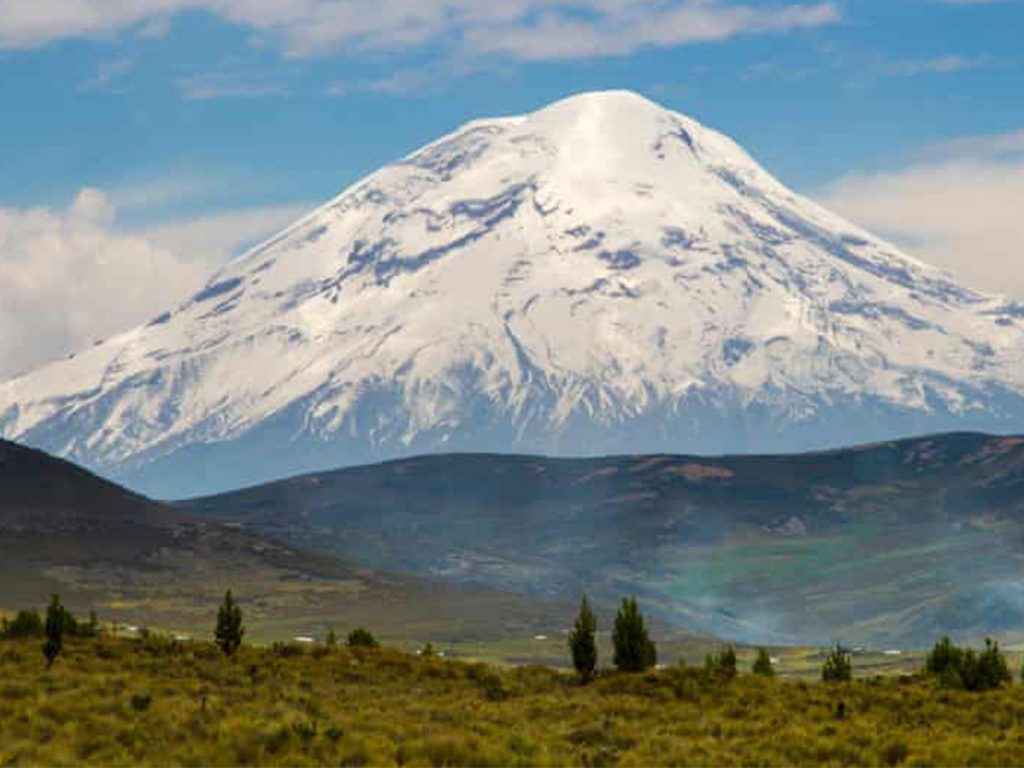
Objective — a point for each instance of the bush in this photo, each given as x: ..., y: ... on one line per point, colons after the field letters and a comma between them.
x: 24, y: 625
x: 229, y: 630
x: 763, y: 664
x: 722, y: 664
x: 942, y: 657
x: 961, y: 668
x: 361, y: 637
x: 838, y: 666
x: 634, y: 651
x: 56, y: 621
x: 582, y: 644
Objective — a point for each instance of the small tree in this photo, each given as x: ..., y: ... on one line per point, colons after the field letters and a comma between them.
x: 56, y: 620
x: 361, y: 637
x: 582, y: 643
x: 332, y: 639
x: 965, y: 668
x: 229, y: 630
x: 722, y: 664
x: 943, y: 656
x: 763, y: 664
x: 634, y: 651
x: 838, y: 666
x: 988, y: 669
x: 26, y: 623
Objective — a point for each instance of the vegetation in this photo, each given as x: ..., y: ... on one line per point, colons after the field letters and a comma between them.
x: 722, y: 664
x: 634, y: 650
x: 763, y: 664
x: 229, y: 630
x: 360, y: 637
x: 838, y: 666
x: 963, y: 668
x: 56, y: 619
x: 583, y: 643
x: 158, y: 702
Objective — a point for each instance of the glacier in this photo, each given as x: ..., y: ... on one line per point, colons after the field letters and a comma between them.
x: 602, y: 276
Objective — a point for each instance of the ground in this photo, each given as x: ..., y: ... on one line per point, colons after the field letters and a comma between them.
x: 152, y: 701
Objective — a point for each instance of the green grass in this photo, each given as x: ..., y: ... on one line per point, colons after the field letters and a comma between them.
x: 115, y: 701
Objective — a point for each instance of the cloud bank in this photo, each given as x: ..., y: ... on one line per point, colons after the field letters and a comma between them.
x: 958, y: 207
x: 523, y: 29
x: 71, y: 276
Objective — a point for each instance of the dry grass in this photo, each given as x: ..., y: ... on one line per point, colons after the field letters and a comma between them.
x: 116, y: 701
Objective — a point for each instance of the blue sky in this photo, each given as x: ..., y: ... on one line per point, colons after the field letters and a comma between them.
x: 192, y: 127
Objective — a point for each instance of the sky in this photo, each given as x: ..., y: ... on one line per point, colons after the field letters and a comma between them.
x: 144, y: 143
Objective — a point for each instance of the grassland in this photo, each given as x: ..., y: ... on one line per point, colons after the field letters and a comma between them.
x: 118, y: 701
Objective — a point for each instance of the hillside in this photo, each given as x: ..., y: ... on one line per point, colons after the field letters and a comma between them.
x: 64, y: 530
x: 894, y: 543
x: 600, y: 276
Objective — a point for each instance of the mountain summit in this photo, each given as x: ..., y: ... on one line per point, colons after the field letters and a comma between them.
x: 600, y: 276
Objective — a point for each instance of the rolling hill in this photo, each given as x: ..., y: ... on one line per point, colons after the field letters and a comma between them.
x: 64, y: 530
x: 891, y: 543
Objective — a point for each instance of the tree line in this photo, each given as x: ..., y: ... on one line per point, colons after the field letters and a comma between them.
x: 633, y: 649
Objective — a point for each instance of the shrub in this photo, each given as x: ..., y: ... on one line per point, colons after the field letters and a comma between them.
x: 140, y: 701
x: 763, y: 664
x: 229, y: 630
x: 25, y: 624
x: 958, y: 668
x: 56, y: 619
x: 361, y: 637
x: 427, y: 651
x: 332, y: 639
x: 90, y: 628
x: 582, y: 644
x: 838, y: 666
x: 986, y: 670
x: 722, y: 664
x: 942, y: 657
x: 634, y: 651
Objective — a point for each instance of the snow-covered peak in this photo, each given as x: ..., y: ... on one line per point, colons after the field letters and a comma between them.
x: 601, y: 275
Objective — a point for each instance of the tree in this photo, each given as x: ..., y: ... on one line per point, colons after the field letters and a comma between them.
x: 634, y: 651
x: 965, y: 668
x: 582, y: 643
x: 56, y: 620
x: 25, y: 624
x: 229, y: 629
x: 943, y: 656
x: 332, y: 639
x: 763, y: 664
x: 838, y: 666
x: 722, y: 664
x: 361, y: 637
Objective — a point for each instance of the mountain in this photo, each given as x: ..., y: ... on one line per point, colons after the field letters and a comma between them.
x: 894, y: 543
x: 600, y: 276
x: 63, y: 530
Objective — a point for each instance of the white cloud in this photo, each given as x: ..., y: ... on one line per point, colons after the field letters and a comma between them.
x: 995, y: 146
x: 527, y: 29
x: 938, y: 65
x: 959, y: 209
x: 226, y: 85
x: 71, y: 276
x: 107, y: 73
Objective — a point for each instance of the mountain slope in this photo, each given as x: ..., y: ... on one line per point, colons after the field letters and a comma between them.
x: 890, y: 543
x: 64, y: 530
x: 599, y: 276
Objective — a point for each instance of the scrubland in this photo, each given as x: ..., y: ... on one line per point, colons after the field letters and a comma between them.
x: 152, y: 701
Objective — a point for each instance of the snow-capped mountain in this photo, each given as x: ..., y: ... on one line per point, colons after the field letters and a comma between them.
x: 602, y: 275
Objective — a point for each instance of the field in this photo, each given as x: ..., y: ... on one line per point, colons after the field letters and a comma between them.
x: 115, y: 700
